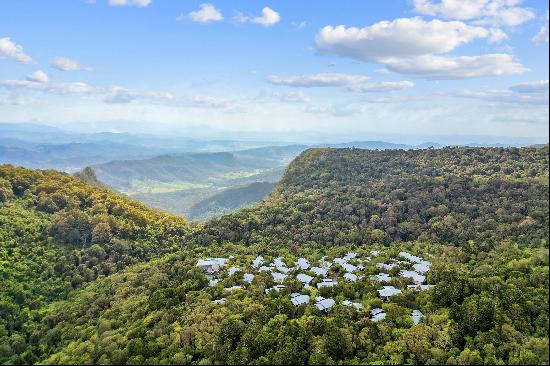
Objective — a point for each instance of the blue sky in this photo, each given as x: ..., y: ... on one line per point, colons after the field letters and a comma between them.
x: 335, y: 68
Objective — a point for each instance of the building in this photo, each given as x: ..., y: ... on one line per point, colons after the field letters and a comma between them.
x: 377, y: 314
x: 219, y: 301
x: 324, y: 304
x: 349, y: 267
x: 278, y: 277
x: 298, y: 299
x: 350, y: 255
x: 410, y: 257
x: 233, y: 270
x: 326, y: 282
x: 422, y: 267
x: 302, y: 263
x: 340, y: 261
x: 319, y: 271
x: 258, y: 261
x: 417, y: 316
x: 386, y: 266
x: 304, y: 278
x: 382, y: 277
x: 413, y: 275
x: 231, y: 289
x: 213, y: 282
x: 388, y: 291
x: 350, y: 277
x: 276, y: 288
x: 248, y: 277
x: 211, y: 265
x: 375, y: 253
x: 354, y: 304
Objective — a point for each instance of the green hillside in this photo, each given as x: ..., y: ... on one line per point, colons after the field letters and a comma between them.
x: 480, y: 216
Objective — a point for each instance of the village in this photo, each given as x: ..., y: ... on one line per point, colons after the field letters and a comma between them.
x: 410, y: 270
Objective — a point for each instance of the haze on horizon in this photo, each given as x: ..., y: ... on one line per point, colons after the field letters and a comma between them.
x: 404, y: 71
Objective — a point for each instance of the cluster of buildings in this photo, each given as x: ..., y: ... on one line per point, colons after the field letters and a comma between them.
x: 349, y: 268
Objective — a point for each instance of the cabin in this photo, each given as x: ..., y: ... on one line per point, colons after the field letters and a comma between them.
x: 326, y: 282
x: 233, y: 288
x: 388, y: 291
x: 211, y: 265
x: 319, y: 271
x: 324, y: 304
x: 298, y: 299
x: 302, y: 263
x: 278, y: 277
x: 266, y: 268
x: 375, y: 253
x: 283, y: 269
x: 219, y: 301
x: 349, y: 267
x: 248, y: 277
x: 213, y: 282
x: 417, y: 316
x: 258, y: 261
x: 377, y: 314
x: 276, y: 288
x: 350, y: 255
x: 340, y: 261
x: 386, y: 266
x: 382, y: 277
x: 350, y: 277
x: 422, y: 267
x: 410, y: 257
x: 413, y: 275
x: 304, y: 278
x: 233, y: 270
x: 354, y: 304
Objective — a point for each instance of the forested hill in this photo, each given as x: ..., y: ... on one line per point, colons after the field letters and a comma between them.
x: 451, y: 195
x: 58, y: 233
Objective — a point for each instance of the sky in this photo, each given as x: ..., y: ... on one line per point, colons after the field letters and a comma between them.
x: 329, y: 69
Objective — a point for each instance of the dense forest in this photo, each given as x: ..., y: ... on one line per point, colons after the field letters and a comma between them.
x: 92, y: 277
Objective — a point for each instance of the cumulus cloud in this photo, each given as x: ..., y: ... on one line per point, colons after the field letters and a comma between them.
x: 413, y: 46
x: 38, y: 76
x: 502, y: 12
x: 542, y: 35
x: 268, y: 18
x: 318, y: 80
x: 457, y: 67
x: 120, y: 95
x: 9, y: 49
x: 207, y: 13
x: 203, y: 101
x: 67, y: 64
x: 138, y: 3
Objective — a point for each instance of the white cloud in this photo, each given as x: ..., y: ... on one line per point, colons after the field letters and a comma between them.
x: 72, y: 88
x: 503, y: 12
x: 138, y: 3
x: 14, y: 51
x: 268, y: 18
x: 36, y: 82
x: 300, y: 25
x: 318, y: 80
x: 207, y: 13
x: 120, y: 95
x: 497, y: 35
x: 384, y: 86
x: 535, y: 92
x: 542, y: 35
x: 457, y: 67
x: 405, y: 37
x: 531, y: 87
x: 38, y: 76
x: 293, y: 97
x: 208, y: 102
x: 67, y: 64
x: 335, y: 110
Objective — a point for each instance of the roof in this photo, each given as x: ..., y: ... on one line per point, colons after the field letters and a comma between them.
x: 340, y: 261
x: 302, y: 263
x: 278, y: 277
x: 410, y: 257
x: 383, y: 277
x: 304, y: 278
x: 299, y: 299
x: 248, y: 277
x: 417, y: 316
x: 415, y: 276
x: 350, y: 277
x: 354, y: 304
x: 350, y: 255
x: 229, y: 289
x: 219, y: 301
x: 275, y: 288
x: 326, y: 282
x: 325, y: 304
x: 386, y: 266
x: 319, y: 271
x: 233, y: 270
x: 278, y: 262
x: 377, y: 314
x: 388, y: 291
x: 349, y: 267
x: 422, y: 267
x: 213, y: 282
x: 266, y: 268
x: 375, y: 253
x: 258, y: 261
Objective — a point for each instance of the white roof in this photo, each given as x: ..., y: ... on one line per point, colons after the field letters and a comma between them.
x: 278, y: 277
x: 233, y: 270
x: 350, y: 255
x: 383, y: 277
x: 258, y: 261
x: 325, y: 304
x: 229, y: 289
x: 276, y: 288
x: 266, y: 268
x: 377, y: 314
x: 388, y: 291
x: 302, y: 263
x: 319, y: 271
x: 349, y: 267
x: 386, y: 266
x: 422, y: 267
x: 213, y: 282
x: 299, y: 299
x: 248, y: 277
x: 375, y: 253
x: 304, y: 278
x: 326, y: 282
x: 415, y: 276
x: 340, y: 261
x: 417, y: 316
x: 350, y: 277
x: 410, y: 257
x: 354, y: 304
x: 219, y: 301
x: 283, y: 269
